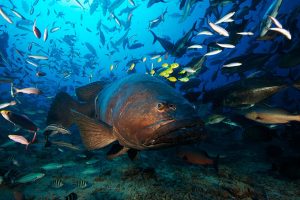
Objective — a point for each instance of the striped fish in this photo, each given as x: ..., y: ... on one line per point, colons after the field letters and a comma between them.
x: 71, y: 196
x: 11, y: 158
x: 81, y: 184
x: 57, y: 183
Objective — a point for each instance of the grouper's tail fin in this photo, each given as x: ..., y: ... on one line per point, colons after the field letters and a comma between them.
x: 60, y: 110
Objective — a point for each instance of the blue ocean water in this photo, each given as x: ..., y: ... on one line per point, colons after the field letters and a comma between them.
x: 93, y: 40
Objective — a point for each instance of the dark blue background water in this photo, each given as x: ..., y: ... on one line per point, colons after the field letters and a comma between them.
x: 65, y: 14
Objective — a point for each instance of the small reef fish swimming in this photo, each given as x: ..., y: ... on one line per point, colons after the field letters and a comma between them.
x: 37, y: 57
x: 28, y: 91
x: 267, y: 21
x: 5, y: 105
x: 71, y: 196
x: 52, y: 130
x: 272, y: 116
x: 57, y: 183
x: 45, y: 38
x: 218, y: 29
x: 19, y: 139
x: 19, y: 120
x: 198, y: 158
x: 225, y: 18
x: 81, y: 184
x: 30, y: 177
x: 229, y: 46
x: 4, y: 15
x: 52, y: 166
x: 40, y: 74
x: 32, y: 63
x: 245, y: 33
x: 212, y: 53
x: 63, y: 144
x: 36, y: 31
x: 233, y: 65
x: 205, y: 33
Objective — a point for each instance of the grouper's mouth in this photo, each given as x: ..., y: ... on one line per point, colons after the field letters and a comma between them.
x: 177, y: 132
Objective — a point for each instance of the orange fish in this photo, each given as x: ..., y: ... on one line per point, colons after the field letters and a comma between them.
x: 198, y: 158
x: 28, y: 91
x: 22, y: 140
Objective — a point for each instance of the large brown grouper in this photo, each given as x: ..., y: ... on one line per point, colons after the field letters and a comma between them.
x: 139, y: 111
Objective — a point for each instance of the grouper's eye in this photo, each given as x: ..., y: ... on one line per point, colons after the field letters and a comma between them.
x: 160, y: 106
x: 165, y: 106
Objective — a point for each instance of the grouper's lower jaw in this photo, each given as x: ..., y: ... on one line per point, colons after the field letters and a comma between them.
x: 190, y: 133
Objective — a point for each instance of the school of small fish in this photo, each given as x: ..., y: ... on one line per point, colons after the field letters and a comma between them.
x: 48, y: 56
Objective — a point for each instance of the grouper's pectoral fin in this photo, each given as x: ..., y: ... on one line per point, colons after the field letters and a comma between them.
x: 115, y: 151
x: 94, y: 134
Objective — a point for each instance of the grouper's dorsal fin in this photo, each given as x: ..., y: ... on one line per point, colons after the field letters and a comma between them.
x: 94, y: 134
x: 90, y: 91
x: 59, y: 112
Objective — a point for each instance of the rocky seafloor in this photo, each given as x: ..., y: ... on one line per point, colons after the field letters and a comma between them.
x: 244, y: 173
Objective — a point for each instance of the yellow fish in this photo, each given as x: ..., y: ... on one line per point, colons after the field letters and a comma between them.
x: 152, y: 72
x: 165, y: 65
x: 159, y: 59
x: 163, y: 73
x: 184, y: 79
x: 166, y: 72
x: 174, y: 65
x: 182, y: 72
x: 132, y: 66
x: 144, y: 59
x: 172, y: 79
x: 169, y: 70
x: 111, y: 67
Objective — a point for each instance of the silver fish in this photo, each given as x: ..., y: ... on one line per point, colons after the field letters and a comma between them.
x: 4, y: 105
x: 45, y: 34
x: 267, y: 22
x: 55, y: 129
x: 4, y: 15
x: 52, y: 166
x: 225, y: 18
x: 30, y: 177
x: 236, y: 64
x: 38, y: 57
x: 218, y: 29
x: 18, y: 14
x: 284, y: 32
x: 213, y: 53
x: 89, y: 171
